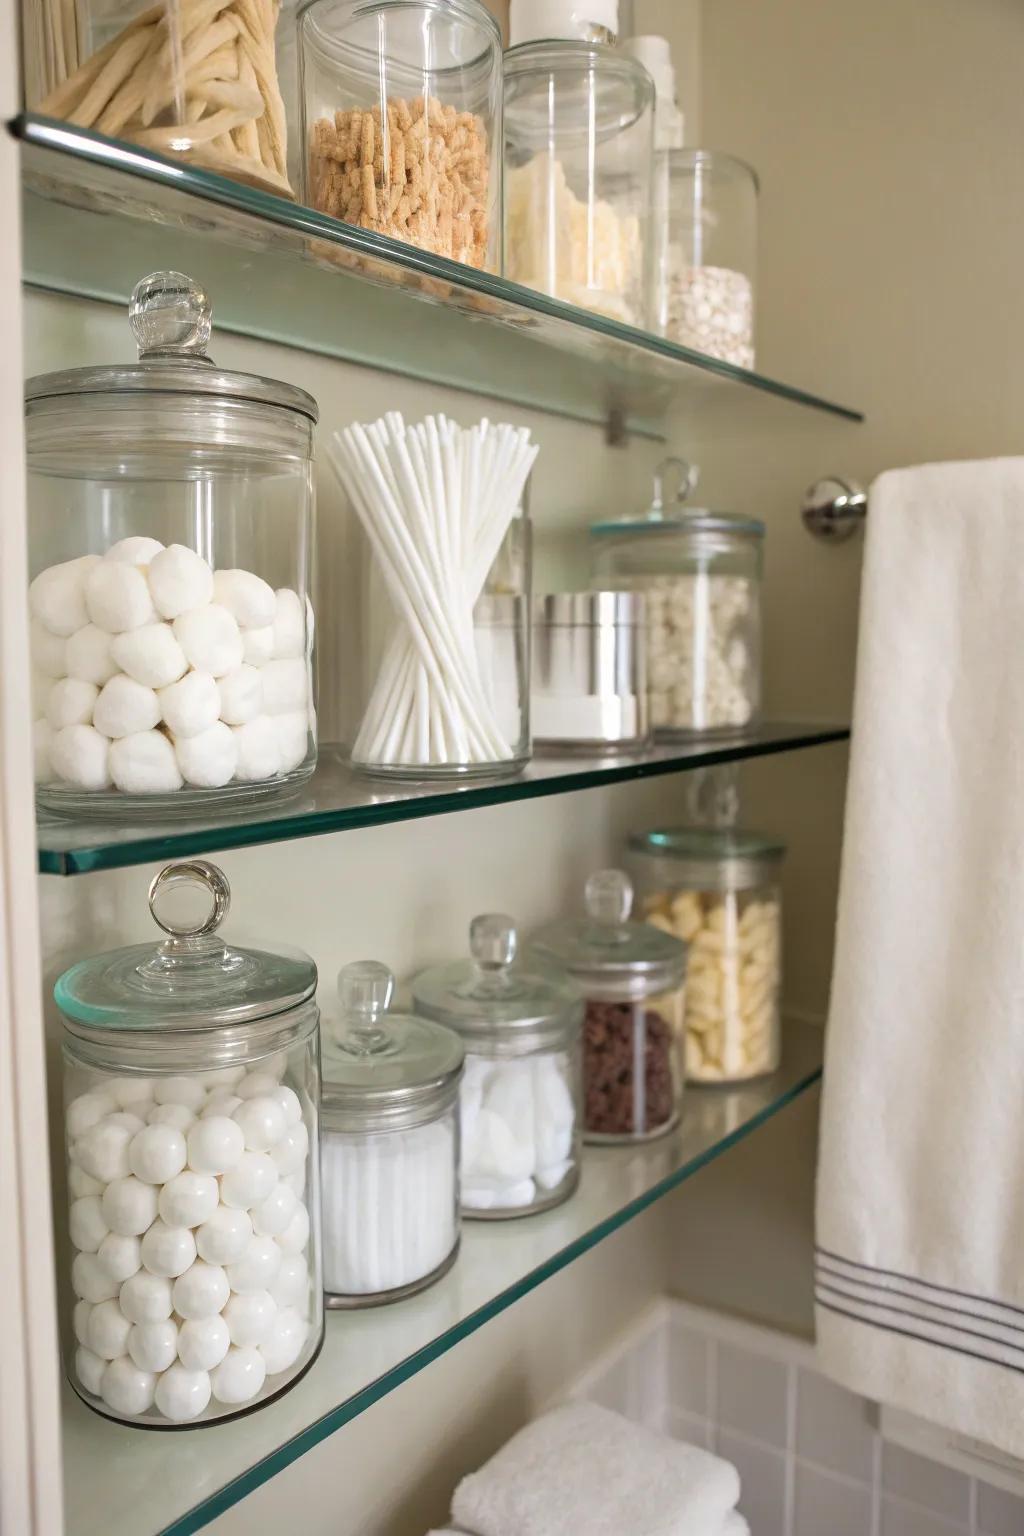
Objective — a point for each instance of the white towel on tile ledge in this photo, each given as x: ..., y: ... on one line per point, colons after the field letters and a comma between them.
x: 582, y: 1470
x: 920, y: 1205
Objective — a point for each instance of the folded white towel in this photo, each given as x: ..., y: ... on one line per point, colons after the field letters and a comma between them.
x: 584, y: 1471
x: 920, y: 1221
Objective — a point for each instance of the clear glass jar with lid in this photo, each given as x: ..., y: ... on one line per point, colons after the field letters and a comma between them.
x: 631, y: 976
x: 191, y: 1095
x: 718, y: 889
x: 701, y: 572
x: 401, y: 103
x: 170, y: 513
x: 390, y: 1146
x: 521, y: 1100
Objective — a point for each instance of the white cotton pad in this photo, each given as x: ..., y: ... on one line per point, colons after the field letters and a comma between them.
x: 144, y: 764
x: 247, y: 597
x: 117, y: 597
x: 210, y: 638
x: 135, y: 550
x: 192, y: 705
x: 179, y: 579
x: 208, y: 760
x: 42, y: 741
x: 57, y: 595
x: 259, y: 750
x: 125, y: 707
x: 289, y: 624
x: 284, y: 686
x: 88, y: 655
x: 71, y: 702
x: 241, y: 695
x: 80, y: 756
x: 292, y: 738
x: 47, y: 650
x: 150, y: 655
x: 258, y: 645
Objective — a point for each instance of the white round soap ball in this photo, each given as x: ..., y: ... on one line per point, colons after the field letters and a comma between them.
x: 154, y: 1346
x: 201, y: 1291
x: 292, y: 738
x: 158, y: 1152
x: 88, y: 1110
x: 221, y: 1102
x: 208, y: 760
x: 80, y: 1320
x: 210, y: 639
x: 283, y: 1344
x: 215, y: 1145
x: 146, y: 1298
x: 189, y: 1199
x: 250, y: 1181
x: 177, y: 1115
x: 192, y: 705
x: 224, y: 1237
x: 137, y: 549
x: 240, y: 1376
x: 80, y: 756
x: 129, y: 1205
x: 189, y: 1091
x: 89, y: 655
x: 86, y: 1224
x: 257, y: 1085
x: 168, y: 1251
x: 47, y: 650
x: 57, y: 595
x: 223, y: 1078
x: 273, y: 1215
x: 182, y: 1394
x: 127, y: 1390
x: 249, y: 1317
x: 89, y: 1279
x: 258, y: 645
x: 291, y: 1150
x: 290, y: 1286
x: 81, y: 1183
x: 131, y: 1092
x: 103, y: 1150
x: 151, y: 655
x: 291, y: 1105
x: 107, y: 1334
x: 248, y: 597
x: 296, y: 1234
x: 256, y: 1269
x: 120, y: 1256
x: 262, y: 1122
x: 125, y: 707
x: 179, y: 579
x: 71, y: 702
x: 42, y: 758
x: 144, y: 764
x: 89, y: 1369
x: 289, y: 625
x: 203, y: 1342
x: 241, y: 695
x: 259, y: 750
x: 117, y: 597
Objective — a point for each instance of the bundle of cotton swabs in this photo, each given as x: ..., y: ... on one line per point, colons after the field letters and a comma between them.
x: 436, y: 501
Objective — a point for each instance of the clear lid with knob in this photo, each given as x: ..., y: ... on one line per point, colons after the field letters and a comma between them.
x: 609, y: 956
x: 669, y: 510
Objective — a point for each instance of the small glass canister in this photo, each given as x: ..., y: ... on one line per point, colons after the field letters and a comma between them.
x: 191, y: 1091
x: 170, y: 516
x: 402, y: 121
x: 521, y: 1093
x: 390, y: 1149
x: 719, y: 890
x: 632, y: 978
x: 701, y: 573
x: 589, y: 690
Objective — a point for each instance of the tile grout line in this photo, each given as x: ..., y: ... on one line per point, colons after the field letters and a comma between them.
x: 789, y: 1486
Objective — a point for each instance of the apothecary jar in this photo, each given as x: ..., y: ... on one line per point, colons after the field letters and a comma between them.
x: 191, y: 1096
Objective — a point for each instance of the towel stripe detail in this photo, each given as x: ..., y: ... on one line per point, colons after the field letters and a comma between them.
x: 927, y: 1285
x: 908, y: 1333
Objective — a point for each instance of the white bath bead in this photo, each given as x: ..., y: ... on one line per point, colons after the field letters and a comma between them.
x: 126, y: 1118
x: 290, y: 1286
x: 88, y: 1110
x: 125, y: 1389
x: 137, y: 549
x: 117, y: 597
x: 189, y: 1199
x: 285, y: 687
x: 190, y: 1091
x: 288, y: 1099
x: 146, y: 1298
x: 208, y: 760
x: 89, y: 1279
x: 179, y: 579
x: 103, y: 1151
x: 86, y: 1224
x: 224, y: 1236
x: 296, y: 1234
x: 283, y: 1344
x: 108, y: 1331
x: 290, y: 1150
x: 241, y: 695
x: 203, y: 1342
x: 259, y: 750
x: 144, y: 764
x: 154, y: 1346
x: 220, y: 1104
x: 125, y: 707
x: 120, y: 1256
x: 210, y: 639
x: 80, y: 756
x: 292, y: 738
x: 256, y: 1269
x: 131, y: 1092
x: 201, y: 1291
x: 258, y: 645
x: 248, y: 597
x: 249, y: 1317
x: 81, y: 1183
x: 168, y: 1251
x: 261, y: 1121
x: 80, y: 1320
x: 158, y: 1152
x: 177, y: 1115
x: 57, y: 595
x: 190, y: 706
x: 296, y: 1182
x: 257, y: 1085
x: 240, y: 1375
x: 42, y: 760
x: 249, y: 1181
x: 71, y: 702
x: 215, y: 1145
x: 272, y: 1216
x: 181, y: 1394
x: 48, y: 651
x: 274, y: 1066
x: 89, y: 1369
x: 289, y: 627
x: 151, y: 655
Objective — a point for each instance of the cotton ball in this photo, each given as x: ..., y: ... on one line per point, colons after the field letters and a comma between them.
x: 551, y: 1176
x: 128, y: 1119
x: 290, y: 1286
x: 144, y: 764
x: 259, y: 750
x: 296, y: 1234
x: 48, y: 651
x: 224, y: 1236
x: 289, y: 624
x: 42, y: 741
x: 168, y: 1251
x: 247, y: 596
x: 255, y: 1270
x: 258, y: 645
x: 107, y: 1334
x: 240, y: 1375
x: 151, y: 655
x: 203, y: 1342
x: 202, y: 1291
x: 86, y: 1111
x: 285, y: 687
x: 181, y: 1394
x: 179, y: 579
x: 293, y: 738
x: 90, y: 1281
x: 80, y: 756
x: 261, y: 1121
x: 208, y: 760
x: 137, y: 549
x: 90, y: 1370
x: 210, y: 639
x: 192, y: 705
x: 124, y: 707
x: 146, y: 1298
x: 272, y: 1216
x: 220, y: 1104
x: 71, y: 702
x: 121, y: 1257
x: 86, y: 1224
x: 131, y: 1092
x: 283, y: 1344
x: 103, y: 1151
x: 177, y: 1115
x: 154, y: 1346
x: 290, y: 1150
x: 80, y: 1183
x: 89, y: 657
x: 188, y: 1199
x: 80, y: 1320
x: 250, y: 1181
x: 57, y: 595
x: 117, y: 597
x: 241, y: 695
x: 157, y: 1154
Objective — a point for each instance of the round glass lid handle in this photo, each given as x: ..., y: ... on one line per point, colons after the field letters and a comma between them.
x: 365, y: 989
x: 608, y: 897
x: 171, y: 316
x: 186, y: 878
x: 684, y: 474
x: 492, y: 941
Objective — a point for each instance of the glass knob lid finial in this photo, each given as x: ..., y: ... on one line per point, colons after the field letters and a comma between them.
x: 171, y: 316
x: 608, y: 896
x: 365, y: 989
x: 492, y: 941
x: 685, y: 476
x: 189, y: 899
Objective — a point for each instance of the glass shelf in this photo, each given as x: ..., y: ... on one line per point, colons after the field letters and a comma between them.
x: 99, y: 214
x: 125, y: 1482
x: 338, y: 799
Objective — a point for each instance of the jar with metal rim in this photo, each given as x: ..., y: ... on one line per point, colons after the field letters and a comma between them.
x: 390, y: 1148
x: 521, y: 1099
x: 191, y: 1092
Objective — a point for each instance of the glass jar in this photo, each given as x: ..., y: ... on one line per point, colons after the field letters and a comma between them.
x: 401, y: 103
x: 589, y: 691
x: 170, y: 509
x: 198, y: 84
x: 191, y: 1094
x: 632, y: 977
x: 579, y: 140
x: 719, y: 890
x: 390, y: 1145
x: 701, y: 572
x: 521, y: 1092
x: 707, y: 263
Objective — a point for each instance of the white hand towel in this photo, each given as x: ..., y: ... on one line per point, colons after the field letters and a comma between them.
x: 582, y: 1469
x: 920, y: 1210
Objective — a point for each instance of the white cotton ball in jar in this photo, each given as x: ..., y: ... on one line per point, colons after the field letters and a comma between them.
x: 241, y: 695
x: 47, y: 650
x: 283, y: 1344
x: 296, y: 1234
x: 224, y: 1237
x: 189, y: 1199
x: 179, y: 579
x: 261, y: 1121
x: 127, y: 1118
x: 150, y: 655
x: 202, y: 1291
x: 203, y: 1342
x: 154, y: 1346
x: 80, y: 1320
x: 71, y: 702
x: 285, y: 687
x: 191, y: 706
x: 215, y: 1145
x: 168, y: 1251
x: 247, y: 597
x: 120, y: 1256
x: 107, y: 1334
x: 136, y: 549
x: 258, y: 645
x: 80, y: 756
x: 42, y: 759
x: 250, y: 1317
x: 179, y: 1116
x: 240, y: 1376
x: 89, y: 657
x: 189, y: 1091
x: 146, y: 1298
x: 90, y: 1281
x: 293, y: 738
x: 249, y: 1181
x: 210, y: 638
x: 131, y: 1092
x: 86, y: 1224
x: 125, y: 707
x: 103, y: 1150
x: 182, y: 1394
x: 90, y: 1370
x: 290, y: 1150
x: 87, y: 1110
x: 272, y: 1216
x: 158, y: 1153
x: 290, y: 1286
x: 81, y: 1183
x: 57, y: 595
x: 209, y: 760
x: 224, y: 1103
x: 256, y: 1269
x: 127, y: 1390
x: 117, y: 598
x: 144, y: 764
x: 289, y: 625
x: 259, y: 750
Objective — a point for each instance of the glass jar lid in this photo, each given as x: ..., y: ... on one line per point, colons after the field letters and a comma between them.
x: 171, y: 317
x: 606, y: 954
x: 494, y: 1001
x: 383, y: 1070
x: 672, y: 514
x: 712, y: 858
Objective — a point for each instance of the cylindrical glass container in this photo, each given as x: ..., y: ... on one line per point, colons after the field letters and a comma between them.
x: 170, y: 514
x: 390, y: 1147
x: 195, y: 83
x: 191, y: 1092
x: 707, y: 264
x: 521, y: 1105
x: 401, y: 104
x: 719, y: 890
x: 579, y: 139
x: 632, y: 978
x: 589, y: 690
x: 701, y: 573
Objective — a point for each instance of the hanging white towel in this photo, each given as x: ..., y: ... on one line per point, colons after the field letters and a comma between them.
x: 920, y: 1207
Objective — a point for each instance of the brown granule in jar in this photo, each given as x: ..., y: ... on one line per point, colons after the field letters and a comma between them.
x: 608, y: 1069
